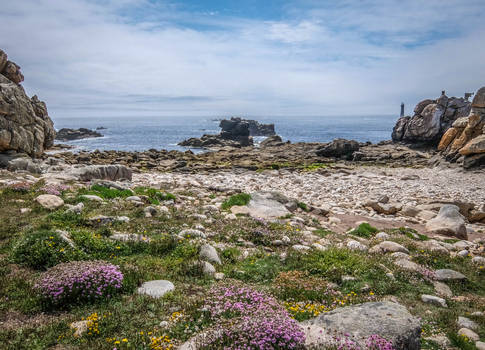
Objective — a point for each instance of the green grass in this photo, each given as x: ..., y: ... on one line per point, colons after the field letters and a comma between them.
x: 237, y: 199
x: 303, y: 206
x: 364, y: 230
x: 169, y: 257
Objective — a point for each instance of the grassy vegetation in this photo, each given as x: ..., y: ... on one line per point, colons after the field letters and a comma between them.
x: 237, y: 199
x: 307, y: 283
x: 364, y: 230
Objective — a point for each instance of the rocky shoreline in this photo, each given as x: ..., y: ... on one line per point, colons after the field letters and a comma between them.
x: 285, y: 245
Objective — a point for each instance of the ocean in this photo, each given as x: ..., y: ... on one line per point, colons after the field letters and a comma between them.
x: 143, y: 133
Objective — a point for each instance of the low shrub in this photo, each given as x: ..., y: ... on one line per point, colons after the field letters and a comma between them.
x: 364, y: 230
x: 303, y: 206
x: 298, y: 285
x: 106, y: 193
x: 44, y: 249
x: 237, y: 199
x: 79, y: 281
x: 154, y: 196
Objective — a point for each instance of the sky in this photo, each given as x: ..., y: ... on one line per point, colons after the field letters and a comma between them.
x: 135, y: 58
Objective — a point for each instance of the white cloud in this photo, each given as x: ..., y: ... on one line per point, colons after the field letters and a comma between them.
x: 90, y: 58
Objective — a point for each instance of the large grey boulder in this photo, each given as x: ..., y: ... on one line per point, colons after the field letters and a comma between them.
x: 389, y: 320
x: 209, y: 253
x: 266, y: 205
x: 25, y: 126
x: 448, y: 222
x: 104, y: 172
x: 338, y: 148
x: 156, y: 289
x: 49, y: 201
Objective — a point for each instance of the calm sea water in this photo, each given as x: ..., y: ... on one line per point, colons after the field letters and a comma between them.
x: 138, y: 134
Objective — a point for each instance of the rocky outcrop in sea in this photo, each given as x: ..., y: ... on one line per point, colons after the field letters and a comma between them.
x: 431, y: 119
x: 25, y: 126
x: 66, y: 134
x: 464, y: 142
x: 234, y: 133
x: 255, y: 128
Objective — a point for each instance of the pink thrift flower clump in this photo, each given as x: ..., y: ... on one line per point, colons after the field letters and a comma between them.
x: 376, y: 342
x: 79, y: 281
x: 55, y: 189
x: 249, y: 319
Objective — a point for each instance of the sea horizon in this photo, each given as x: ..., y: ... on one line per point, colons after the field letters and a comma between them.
x: 162, y: 132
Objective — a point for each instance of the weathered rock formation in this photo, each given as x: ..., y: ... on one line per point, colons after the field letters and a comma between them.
x: 76, y: 134
x: 339, y: 148
x: 255, y: 128
x: 431, y: 119
x: 25, y: 126
x: 464, y: 142
x: 234, y: 133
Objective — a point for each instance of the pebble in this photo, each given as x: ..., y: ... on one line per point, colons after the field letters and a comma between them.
x: 431, y: 299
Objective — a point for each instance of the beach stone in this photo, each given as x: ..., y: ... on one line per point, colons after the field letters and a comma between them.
x: 49, y: 201
x: 388, y: 247
x: 355, y: 245
x: 78, y: 208
x: 464, y: 322
x: 480, y: 345
x: 133, y: 199
x: 382, y: 236
x: 390, y: 320
x: 384, y: 208
x: 400, y: 255
x: 92, y: 197
x: 442, y: 289
x: 23, y: 163
x: 104, y: 172
x: 434, y: 246
x: 479, y: 260
x: 80, y: 327
x: 463, y: 253
x: 469, y: 334
x: 218, y: 276
x: 129, y: 237
x: 300, y: 247
x: 431, y: 299
x: 407, y: 265
x: 150, y: 211
x: 209, y: 253
x: 338, y: 148
x: 156, y: 288
x: 448, y: 222
x: 264, y: 205
x: 208, y: 268
x: 449, y: 275
x: 191, y: 233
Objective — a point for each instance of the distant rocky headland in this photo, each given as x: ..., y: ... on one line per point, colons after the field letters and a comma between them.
x: 453, y: 126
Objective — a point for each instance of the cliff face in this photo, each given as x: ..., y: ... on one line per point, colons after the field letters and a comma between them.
x: 465, y: 140
x: 25, y: 126
x: 430, y: 121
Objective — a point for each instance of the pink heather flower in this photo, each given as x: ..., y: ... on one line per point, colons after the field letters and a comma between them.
x: 79, y: 281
